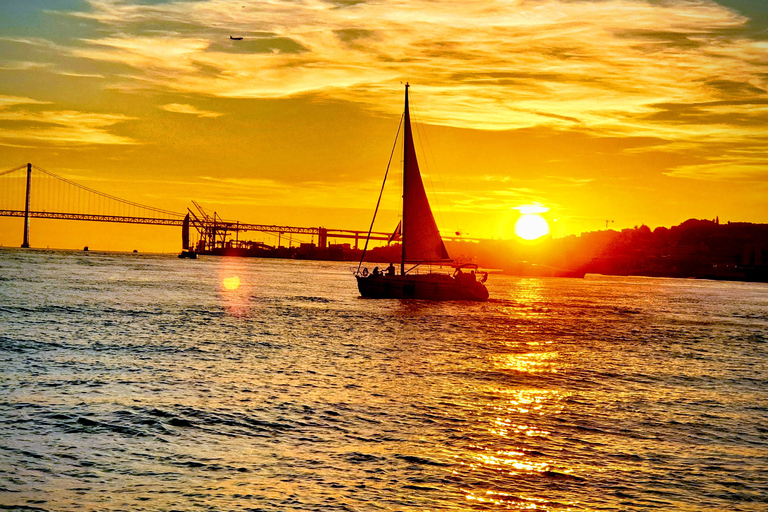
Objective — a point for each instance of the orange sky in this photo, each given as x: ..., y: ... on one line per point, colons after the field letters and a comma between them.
x: 640, y: 112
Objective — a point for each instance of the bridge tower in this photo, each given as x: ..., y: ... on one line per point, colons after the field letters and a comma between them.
x: 25, y: 243
x: 322, y: 238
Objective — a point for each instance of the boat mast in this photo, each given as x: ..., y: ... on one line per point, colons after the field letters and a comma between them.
x: 406, y: 134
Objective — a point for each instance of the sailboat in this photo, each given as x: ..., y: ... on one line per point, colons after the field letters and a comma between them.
x: 421, y: 244
x: 186, y: 252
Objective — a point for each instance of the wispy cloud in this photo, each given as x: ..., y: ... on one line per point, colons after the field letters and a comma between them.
x: 493, y: 65
x: 725, y: 169
x: 80, y: 75
x: 182, y: 108
x: 64, y: 127
x: 7, y: 65
x: 7, y: 101
x: 684, y: 73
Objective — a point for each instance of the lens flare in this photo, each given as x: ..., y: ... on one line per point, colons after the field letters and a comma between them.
x: 232, y: 283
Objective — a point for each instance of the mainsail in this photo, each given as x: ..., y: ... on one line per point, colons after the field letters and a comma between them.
x: 421, y: 238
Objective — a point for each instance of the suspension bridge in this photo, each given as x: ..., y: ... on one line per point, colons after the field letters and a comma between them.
x: 30, y: 191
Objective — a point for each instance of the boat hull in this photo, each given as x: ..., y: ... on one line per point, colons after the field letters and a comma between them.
x: 192, y: 255
x: 425, y: 286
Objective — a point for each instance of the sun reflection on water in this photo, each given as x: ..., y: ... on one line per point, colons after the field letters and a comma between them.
x: 526, y: 401
x: 517, y: 421
x: 505, y: 461
x: 506, y: 500
x: 506, y: 427
x: 530, y: 362
x: 527, y: 299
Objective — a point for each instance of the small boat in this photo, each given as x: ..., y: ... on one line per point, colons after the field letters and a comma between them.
x: 186, y: 251
x: 421, y: 245
x: 192, y: 255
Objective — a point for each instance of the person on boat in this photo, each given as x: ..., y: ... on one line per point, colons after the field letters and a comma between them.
x: 391, y: 269
x: 376, y: 272
x: 463, y: 277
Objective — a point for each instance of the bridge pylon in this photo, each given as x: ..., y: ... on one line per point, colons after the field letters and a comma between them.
x: 25, y: 243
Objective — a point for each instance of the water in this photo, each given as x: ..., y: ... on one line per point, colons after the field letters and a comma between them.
x: 139, y: 382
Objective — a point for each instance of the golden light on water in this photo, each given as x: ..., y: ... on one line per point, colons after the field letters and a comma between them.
x: 531, y: 362
x: 505, y: 428
x: 513, y: 464
x: 525, y: 400
x: 507, y: 500
x: 516, y: 416
x: 231, y: 283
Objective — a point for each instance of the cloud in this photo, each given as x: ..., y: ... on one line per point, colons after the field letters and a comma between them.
x: 148, y: 53
x: 23, y: 65
x: 733, y: 113
x: 7, y: 101
x: 35, y: 42
x: 64, y: 127
x: 80, y: 75
x: 181, y: 108
x: 685, y: 73
x: 725, y: 169
x: 489, y: 65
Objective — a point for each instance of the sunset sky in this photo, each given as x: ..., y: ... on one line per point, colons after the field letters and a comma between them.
x: 635, y: 111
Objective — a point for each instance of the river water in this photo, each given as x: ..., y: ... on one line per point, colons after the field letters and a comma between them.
x: 145, y: 382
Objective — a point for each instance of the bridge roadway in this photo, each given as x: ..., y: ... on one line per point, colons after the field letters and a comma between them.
x: 222, y: 225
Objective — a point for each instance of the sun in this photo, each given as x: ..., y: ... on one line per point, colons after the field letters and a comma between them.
x: 531, y: 226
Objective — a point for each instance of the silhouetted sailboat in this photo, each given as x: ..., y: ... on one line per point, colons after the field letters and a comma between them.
x: 421, y: 244
x: 186, y: 252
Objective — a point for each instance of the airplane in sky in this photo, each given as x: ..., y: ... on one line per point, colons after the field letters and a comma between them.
x: 236, y: 38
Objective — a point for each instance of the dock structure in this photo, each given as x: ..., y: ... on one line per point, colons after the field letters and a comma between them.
x: 216, y: 234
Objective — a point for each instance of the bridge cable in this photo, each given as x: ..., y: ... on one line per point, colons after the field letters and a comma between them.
x: 108, y: 196
x: 9, y: 171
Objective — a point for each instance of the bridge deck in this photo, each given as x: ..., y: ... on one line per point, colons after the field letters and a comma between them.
x: 228, y: 226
